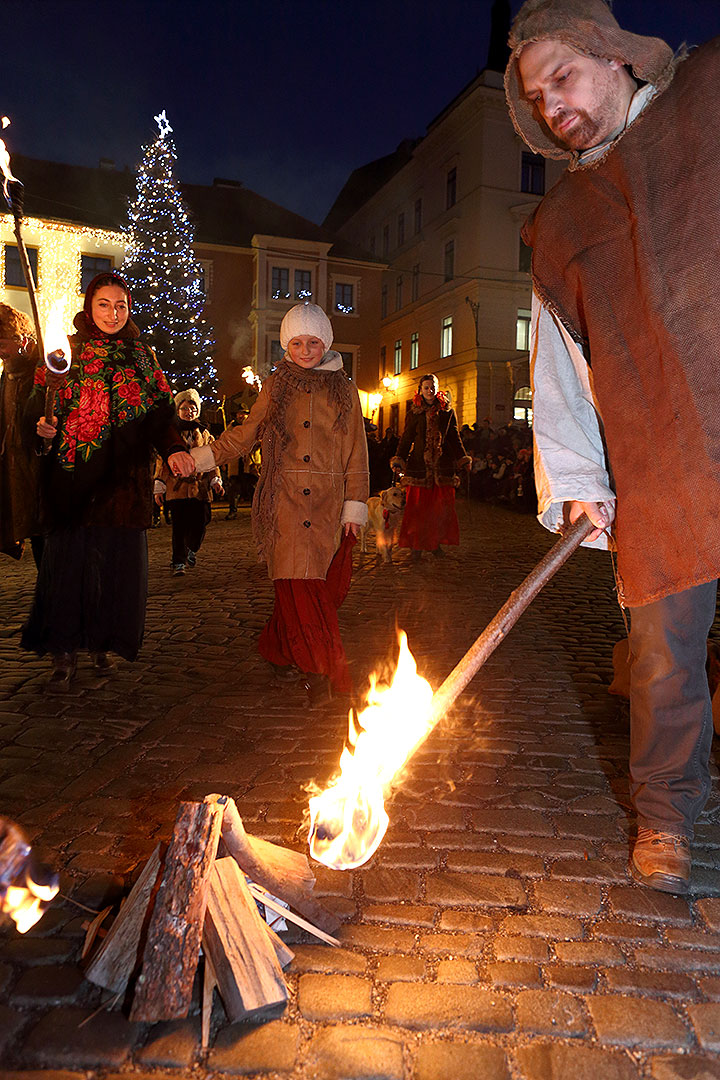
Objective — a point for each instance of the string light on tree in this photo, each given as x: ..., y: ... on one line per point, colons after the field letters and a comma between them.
x: 165, y: 278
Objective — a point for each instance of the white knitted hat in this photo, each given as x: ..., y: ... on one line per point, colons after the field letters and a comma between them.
x: 188, y: 395
x: 306, y: 319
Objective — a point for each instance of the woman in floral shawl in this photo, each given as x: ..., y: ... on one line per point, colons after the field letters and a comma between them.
x: 429, y: 454
x: 113, y: 409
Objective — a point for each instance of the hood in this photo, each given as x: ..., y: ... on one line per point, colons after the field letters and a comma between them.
x: 589, y: 27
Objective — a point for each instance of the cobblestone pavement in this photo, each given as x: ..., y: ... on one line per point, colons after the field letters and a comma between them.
x: 496, y: 933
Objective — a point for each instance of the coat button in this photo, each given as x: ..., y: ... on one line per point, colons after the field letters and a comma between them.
x: 306, y: 491
x: 306, y: 458
x: 306, y: 423
x: 306, y: 524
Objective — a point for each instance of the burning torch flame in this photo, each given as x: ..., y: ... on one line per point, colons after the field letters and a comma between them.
x: 57, y: 347
x: 348, y: 820
x: 21, y: 897
x: 5, y: 163
x: 251, y: 378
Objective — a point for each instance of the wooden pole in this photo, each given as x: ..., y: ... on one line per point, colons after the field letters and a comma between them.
x: 507, y: 616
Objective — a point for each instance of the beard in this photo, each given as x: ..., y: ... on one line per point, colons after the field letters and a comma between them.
x: 587, y: 131
x: 603, y: 118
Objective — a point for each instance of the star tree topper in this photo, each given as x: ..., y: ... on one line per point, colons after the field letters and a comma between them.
x: 162, y: 123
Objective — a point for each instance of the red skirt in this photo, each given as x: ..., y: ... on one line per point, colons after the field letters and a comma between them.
x: 429, y: 519
x: 303, y: 629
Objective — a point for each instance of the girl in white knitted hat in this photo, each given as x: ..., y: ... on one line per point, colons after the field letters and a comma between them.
x: 312, y: 490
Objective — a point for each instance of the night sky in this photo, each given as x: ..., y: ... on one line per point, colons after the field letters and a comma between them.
x: 287, y: 97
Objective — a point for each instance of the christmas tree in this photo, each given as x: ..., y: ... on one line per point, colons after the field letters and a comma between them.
x: 164, y: 277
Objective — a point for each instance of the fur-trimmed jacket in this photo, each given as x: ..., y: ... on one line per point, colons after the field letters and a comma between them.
x: 430, y: 451
x: 196, y: 486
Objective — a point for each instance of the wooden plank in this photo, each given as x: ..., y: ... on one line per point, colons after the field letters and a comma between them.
x: 283, y: 952
x: 266, y: 899
x: 209, y: 984
x: 285, y: 874
x: 163, y: 989
x: 120, y: 954
x: 249, y: 977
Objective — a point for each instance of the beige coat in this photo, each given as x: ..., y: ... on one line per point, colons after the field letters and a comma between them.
x: 322, y: 475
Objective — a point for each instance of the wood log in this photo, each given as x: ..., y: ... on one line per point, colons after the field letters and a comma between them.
x: 118, y: 958
x: 243, y: 959
x: 163, y: 989
x: 283, y: 873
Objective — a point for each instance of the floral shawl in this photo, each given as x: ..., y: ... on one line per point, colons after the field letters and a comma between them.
x: 111, y: 383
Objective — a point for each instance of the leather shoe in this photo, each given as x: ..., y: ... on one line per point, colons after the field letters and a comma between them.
x: 661, y: 860
x: 101, y: 662
x: 318, y: 689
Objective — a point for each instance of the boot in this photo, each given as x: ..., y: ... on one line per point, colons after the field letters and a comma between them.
x: 318, y: 689
x: 101, y: 662
x: 64, y: 668
x: 661, y: 861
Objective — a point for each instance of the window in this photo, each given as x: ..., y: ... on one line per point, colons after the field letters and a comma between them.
x: 401, y: 230
x: 524, y: 257
x: 416, y: 281
x: 276, y: 353
x: 398, y: 357
x: 533, y: 174
x: 348, y: 359
x: 383, y: 360
x: 344, y: 298
x: 383, y: 302
x: 522, y: 330
x: 372, y: 244
x: 414, y: 350
x: 398, y: 293
x: 386, y: 240
x: 14, y: 277
x: 449, y: 260
x: 303, y: 285
x: 446, y: 336
x: 280, y: 289
x: 451, y: 189
x: 522, y: 407
x: 418, y: 215
x: 96, y: 264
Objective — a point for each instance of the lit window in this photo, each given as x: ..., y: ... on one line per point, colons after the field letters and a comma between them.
x: 280, y: 283
x: 303, y: 285
x: 344, y: 298
x: 416, y: 281
x: 92, y: 265
x: 451, y: 189
x: 398, y: 293
x: 418, y: 215
x: 14, y: 277
x: 414, y: 350
x: 533, y: 174
x: 398, y: 357
x: 522, y: 330
x: 401, y: 230
x: 446, y: 342
x: 522, y: 406
x: 449, y: 260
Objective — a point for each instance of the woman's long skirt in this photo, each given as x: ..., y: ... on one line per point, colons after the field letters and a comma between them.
x: 303, y: 629
x: 91, y: 592
x: 429, y: 519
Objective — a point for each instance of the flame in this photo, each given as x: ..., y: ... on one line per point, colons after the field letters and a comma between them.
x: 58, y: 356
x: 348, y: 819
x: 251, y: 378
x: 26, y: 904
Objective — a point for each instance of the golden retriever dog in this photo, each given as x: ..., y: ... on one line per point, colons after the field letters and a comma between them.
x: 385, y: 512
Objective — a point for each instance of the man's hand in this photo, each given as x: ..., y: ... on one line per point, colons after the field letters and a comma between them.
x: 601, y: 514
x: 181, y: 464
x: 351, y: 527
x: 219, y: 490
x: 45, y: 430
x: 159, y: 499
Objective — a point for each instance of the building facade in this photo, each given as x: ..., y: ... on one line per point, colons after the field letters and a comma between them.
x: 446, y: 219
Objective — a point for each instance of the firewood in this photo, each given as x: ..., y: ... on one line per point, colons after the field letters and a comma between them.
x: 119, y: 956
x: 270, y: 902
x: 283, y: 952
x: 285, y: 874
x: 163, y: 989
x: 209, y: 985
x: 243, y: 959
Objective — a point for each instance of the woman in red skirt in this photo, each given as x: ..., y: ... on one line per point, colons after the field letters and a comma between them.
x: 429, y: 455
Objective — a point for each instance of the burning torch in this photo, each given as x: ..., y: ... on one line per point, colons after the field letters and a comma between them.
x: 25, y: 887
x: 58, y: 358
x: 348, y: 819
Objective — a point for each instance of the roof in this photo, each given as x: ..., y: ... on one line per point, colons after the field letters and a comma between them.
x: 362, y: 184
x: 224, y: 212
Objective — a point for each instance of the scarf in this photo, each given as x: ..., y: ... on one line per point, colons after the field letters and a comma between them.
x: 433, y: 435
x: 288, y: 380
x: 113, y: 383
